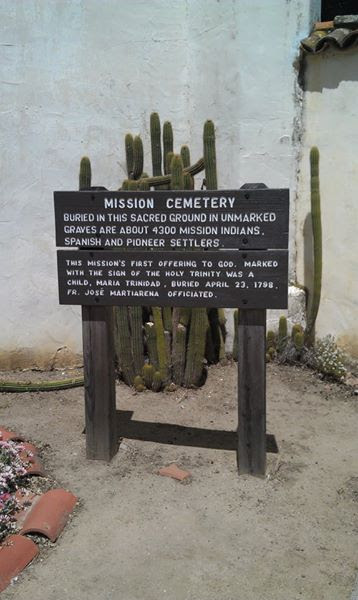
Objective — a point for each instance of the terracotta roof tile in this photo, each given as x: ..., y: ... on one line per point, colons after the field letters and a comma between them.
x: 49, y: 514
x: 342, y: 33
x: 15, y: 554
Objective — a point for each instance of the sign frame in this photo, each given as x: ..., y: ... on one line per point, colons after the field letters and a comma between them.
x: 97, y: 327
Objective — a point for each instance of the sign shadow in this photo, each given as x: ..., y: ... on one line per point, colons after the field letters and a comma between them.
x: 180, y: 435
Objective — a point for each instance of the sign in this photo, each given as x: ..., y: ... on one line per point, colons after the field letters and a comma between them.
x: 252, y: 279
x: 224, y: 248
x: 173, y: 220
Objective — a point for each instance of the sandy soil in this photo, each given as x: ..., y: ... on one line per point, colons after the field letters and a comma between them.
x: 139, y: 536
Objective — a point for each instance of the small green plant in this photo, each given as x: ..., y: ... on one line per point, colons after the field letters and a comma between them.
x: 328, y: 359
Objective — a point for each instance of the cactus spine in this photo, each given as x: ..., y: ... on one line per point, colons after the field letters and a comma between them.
x: 317, y: 246
x: 156, y: 144
x: 85, y: 174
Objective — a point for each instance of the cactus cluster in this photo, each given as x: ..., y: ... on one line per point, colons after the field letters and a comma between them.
x: 282, y: 345
x: 160, y: 348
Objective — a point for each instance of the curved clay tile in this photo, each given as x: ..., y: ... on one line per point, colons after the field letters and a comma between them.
x: 9, y: 436
x: 15, y: 554
x: 49, y: 515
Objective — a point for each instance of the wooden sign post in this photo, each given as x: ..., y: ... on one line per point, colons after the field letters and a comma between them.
x: 133, y: 251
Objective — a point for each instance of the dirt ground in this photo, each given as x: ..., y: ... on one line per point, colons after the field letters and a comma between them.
x: 139, y: 536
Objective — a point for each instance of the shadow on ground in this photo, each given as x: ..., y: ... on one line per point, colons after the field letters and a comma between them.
x: 180, y: 435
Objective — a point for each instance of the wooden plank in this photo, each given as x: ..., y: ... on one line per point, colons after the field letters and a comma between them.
x: 252, y: 392
x: 100, y: 400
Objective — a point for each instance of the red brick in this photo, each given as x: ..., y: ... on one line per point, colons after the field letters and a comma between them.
x: 175, y: 472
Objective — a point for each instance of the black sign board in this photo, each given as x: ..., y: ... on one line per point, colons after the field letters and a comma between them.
x: 252, y: 279
x: 173, y: 220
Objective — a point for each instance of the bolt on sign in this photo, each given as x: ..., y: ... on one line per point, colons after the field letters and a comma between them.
x: 226, y: 248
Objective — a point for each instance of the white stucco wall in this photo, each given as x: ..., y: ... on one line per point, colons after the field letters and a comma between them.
x: 77, y: 75
x: 330, y: 122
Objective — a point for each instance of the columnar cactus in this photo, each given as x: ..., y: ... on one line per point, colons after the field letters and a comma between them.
x: 123, y: 344
x: 174, y: 341
x: 185, y: 155
x: 132, y: 184
x: 296, y: 328
x: 298, y: 341
x: 282, y: 334
x: 314, y: 301
x: 179, y: 354
x: 235, y: 347
x: 167, y: 318
x: 151, y: 341
x: 136, y: 324
x: 128, y: 142
x: 137, y: 157
x: 168, y: 162
x: 85, y: 174
x: 163, y: 357
x: 270, y: 339
x: 210, y: 156
x: 156, y: 144
x: 196, y: 347
x: 176, y: 171
x: 167, y: 144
